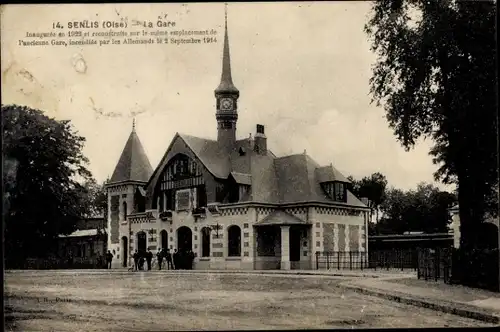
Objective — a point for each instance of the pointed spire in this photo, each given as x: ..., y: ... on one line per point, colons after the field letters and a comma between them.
x: 226, y: 81
x: 133, y: 164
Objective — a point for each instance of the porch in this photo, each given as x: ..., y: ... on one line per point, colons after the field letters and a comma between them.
x: 282, y: 242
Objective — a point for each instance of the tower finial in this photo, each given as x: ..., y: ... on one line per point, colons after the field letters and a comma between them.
x: 133, y: 124
x: 226, y: 82
x: 225, y: 14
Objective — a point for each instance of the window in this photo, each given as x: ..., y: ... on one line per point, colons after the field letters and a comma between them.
x: 339, y: 192
x: 139, y: 201
x: 170, y: 200
x: 335, y: 190
x: 181, y: 167
x: 234, y: 241
x: 226, y: 125
x: 201, y: 194
x: 124, y: 210
x: 183, y: 200
x: 205, y: 242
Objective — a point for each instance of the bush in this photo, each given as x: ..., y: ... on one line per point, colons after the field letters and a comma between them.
x: 476, y: 268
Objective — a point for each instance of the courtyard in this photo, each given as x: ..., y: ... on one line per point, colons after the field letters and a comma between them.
x: 180, y: 300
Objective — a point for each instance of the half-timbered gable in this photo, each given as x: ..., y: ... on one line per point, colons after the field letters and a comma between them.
x: 179, y: 170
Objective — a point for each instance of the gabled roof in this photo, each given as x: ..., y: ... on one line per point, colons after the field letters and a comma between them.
x: 210, y: 154
x: 133, y: 164
x: 279, y: 217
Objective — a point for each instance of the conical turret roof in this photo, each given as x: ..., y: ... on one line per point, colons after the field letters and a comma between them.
x: 133, y: 164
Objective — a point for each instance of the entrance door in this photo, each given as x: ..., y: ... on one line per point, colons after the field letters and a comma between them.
x: 125, y: 250
x: 184, y: 239
x: 141, y: 242
x: 295, y: 237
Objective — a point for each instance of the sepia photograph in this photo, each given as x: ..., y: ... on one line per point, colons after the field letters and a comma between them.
x: 244, y: 165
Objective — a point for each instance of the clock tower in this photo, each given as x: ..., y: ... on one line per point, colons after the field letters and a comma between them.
x: 226, y: 96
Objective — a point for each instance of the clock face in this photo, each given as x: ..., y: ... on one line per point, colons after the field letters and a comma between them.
x: 226, y: 104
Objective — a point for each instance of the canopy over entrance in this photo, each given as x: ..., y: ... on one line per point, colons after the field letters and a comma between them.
x: 281, y: 218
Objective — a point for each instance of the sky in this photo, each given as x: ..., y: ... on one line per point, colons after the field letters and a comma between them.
x: 302, y: 68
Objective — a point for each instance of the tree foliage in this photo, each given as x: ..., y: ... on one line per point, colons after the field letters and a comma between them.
x: 43, y: 170
x: 425, y: 209
x: 98, y: 198
x: 436, y: 77
x: 372, y: 187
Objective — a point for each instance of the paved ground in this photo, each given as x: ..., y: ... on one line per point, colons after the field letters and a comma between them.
x: 471, y: 302
x: 439, y: 288
x: 145, y: 301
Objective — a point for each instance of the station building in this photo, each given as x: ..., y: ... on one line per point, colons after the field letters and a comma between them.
x: 231, y: 201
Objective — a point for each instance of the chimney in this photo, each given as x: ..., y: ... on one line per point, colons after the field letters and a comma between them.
x: 260, y: 140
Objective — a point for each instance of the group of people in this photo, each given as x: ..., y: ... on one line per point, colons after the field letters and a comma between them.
x: 141, y: 257
x: 179, y: 260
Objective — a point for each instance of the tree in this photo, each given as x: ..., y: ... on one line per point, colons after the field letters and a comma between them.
x: 423, y: 210
x: 45, y: 198
x: 436, y: 76
x: 372, y: 187
x: 395, y: 209
x: 98, y: 198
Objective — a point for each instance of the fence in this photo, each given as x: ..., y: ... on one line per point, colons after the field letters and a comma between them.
x: 341, y: 260
x: 400, y: 259
x: 381, y: 259
x: 435, y: 264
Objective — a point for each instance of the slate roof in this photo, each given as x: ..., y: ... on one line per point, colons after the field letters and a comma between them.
x: 210, y: 154
x: 279, y: 217
x: 133, y: 164
x: 330, y: 173
x: 285, y: 180
x: 300, y: 181
x: 242, y: 178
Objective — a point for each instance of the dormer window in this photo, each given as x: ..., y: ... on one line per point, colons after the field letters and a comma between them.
x: 337, y: 191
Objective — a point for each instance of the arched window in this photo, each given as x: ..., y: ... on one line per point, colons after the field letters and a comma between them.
x: 124, y: 210
x: 234, y: 241
x: 205, y: 242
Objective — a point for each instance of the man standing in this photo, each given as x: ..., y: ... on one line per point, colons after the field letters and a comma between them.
x: 159, y: 257
x: 149, y: 258
x: 109, y: 259
x: 136, y: 260
x: 176, y: 259
x: 191, y: 259
x: 168, y: 257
